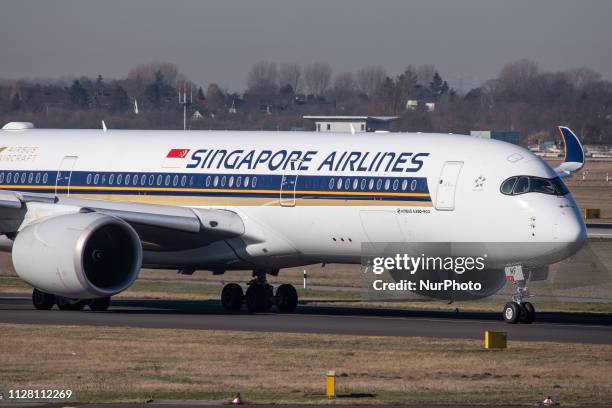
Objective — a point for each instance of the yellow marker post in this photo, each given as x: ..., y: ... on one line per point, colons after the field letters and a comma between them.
x: 495, y: 340
x: 330, y: 388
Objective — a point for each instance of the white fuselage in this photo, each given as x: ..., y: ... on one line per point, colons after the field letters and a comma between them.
x: 310, y: 197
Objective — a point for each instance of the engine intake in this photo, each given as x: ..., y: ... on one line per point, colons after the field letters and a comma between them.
x: 83, y: 255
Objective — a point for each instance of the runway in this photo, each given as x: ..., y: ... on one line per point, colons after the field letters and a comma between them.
x: 208, y: 315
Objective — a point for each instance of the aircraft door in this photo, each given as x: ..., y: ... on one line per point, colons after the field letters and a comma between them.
x: 447, y: 185
x: 64, y: 175
x: 289, y: 184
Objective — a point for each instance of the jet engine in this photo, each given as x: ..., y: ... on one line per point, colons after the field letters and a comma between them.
x: 81, y: 255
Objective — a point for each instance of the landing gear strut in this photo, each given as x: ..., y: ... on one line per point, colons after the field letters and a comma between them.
x: 518, y: 311
x: 259, y: 296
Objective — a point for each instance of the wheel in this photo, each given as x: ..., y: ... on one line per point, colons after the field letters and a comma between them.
x: 64, y: 303
x: 511, y: 312
x: 232, y: 297
x: 259, y: 298
x: 528, y: 313
x: 286, y: 298
x: 42, y: 300
x: 100, y: 304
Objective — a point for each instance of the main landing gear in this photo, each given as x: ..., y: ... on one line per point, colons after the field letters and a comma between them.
x: 519, y: 311
x: 46, y: 301
x: 259, y: 296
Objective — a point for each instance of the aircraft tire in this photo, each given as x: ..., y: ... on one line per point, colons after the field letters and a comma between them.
x: 99, y: 305
x: 42, y: 300
x: 512, y: 312
x: 232, y: 297
x: 259, y: 298
x: 69, y: 304
x: 286, y: 298
x: 529, y: 313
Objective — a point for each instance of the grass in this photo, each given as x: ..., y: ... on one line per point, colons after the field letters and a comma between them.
x: 128, y: 364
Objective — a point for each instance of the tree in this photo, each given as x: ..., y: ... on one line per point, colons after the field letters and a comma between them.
x: 215, y: 97
x: 262, y: 79
x: 98, y: 92
x: 438, y: 87
x: 78, y: 95
x: 317, y: 77
x: 16, y: 102
x: 120, y: 101
x: 425, y: 74
x: 290, y: 75
x: 370, y: 78
x: 200, y: 94
x: 345, y: 86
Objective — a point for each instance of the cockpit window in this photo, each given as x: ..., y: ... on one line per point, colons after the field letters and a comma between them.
x: 521, y: 186
x: 508, y: 185
x: 528, y: 184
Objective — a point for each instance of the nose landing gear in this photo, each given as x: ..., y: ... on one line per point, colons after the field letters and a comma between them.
x: 518, y: 311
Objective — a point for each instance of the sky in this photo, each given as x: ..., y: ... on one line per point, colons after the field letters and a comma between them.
x: 218, y: 41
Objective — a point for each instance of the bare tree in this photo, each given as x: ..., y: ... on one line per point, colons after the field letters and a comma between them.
x: 580, y: 78
x: 317, y: 77
x: 290, y: 74
x: 519, y: 73
x: 425, y: 74
x: 147, y: 72
x: 370, y: 78
x: 263, y: 78
x: 345, y: 85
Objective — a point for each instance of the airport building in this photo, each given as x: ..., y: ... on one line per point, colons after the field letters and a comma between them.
x: 505, y: 136
x: 352, y: 124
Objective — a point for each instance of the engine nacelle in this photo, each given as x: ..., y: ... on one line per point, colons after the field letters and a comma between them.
x: 82, y: 255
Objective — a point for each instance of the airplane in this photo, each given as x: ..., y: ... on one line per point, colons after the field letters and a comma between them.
x: 82, y: 211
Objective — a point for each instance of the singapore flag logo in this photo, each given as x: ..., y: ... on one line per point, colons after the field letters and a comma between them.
x: 175, y: 158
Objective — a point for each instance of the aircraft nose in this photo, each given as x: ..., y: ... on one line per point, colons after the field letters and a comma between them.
x: 570, y: 230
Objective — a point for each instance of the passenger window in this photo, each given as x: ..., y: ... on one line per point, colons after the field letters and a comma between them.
x: 216, y: 182
x: 45, y: 178
x: 355, y: 184
x: 387, y: 184
x: 404, y: 185
x: 223, y: 181
x: 239, y: 182
x: 231, y: 181
x: 521, y: 186
x: 379, y: 184
x: 135, y: 179
x: 347, y: 184
x: 9, y: 178
x: 395, y: 184
x: 96, y: 178
x: 331, y: 184
x: 183, y: 181
x: 111, y: 179
x: 159, y: 180
x: 208, y: 180
x: 363, y: 184
x: 127, y: 179
x: 119, y: 178
x: 167, y: 180
x: 254, y: 182
x: 23, y: 178
x: 508, y: 185
x: 151, y: 179
x: 30, y: 178
x: 413, y: 185
x: 143, y: 179
x: 191, y: 181
x: 371, y: 184
x: 339, y: 184
x: 175, y: 180
x: 2, y: 177
x: 104, y: 179
x: 89, y: 178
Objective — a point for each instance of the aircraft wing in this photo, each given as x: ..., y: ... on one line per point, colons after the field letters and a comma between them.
x: 160, y: 227
x: 574, y: 158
